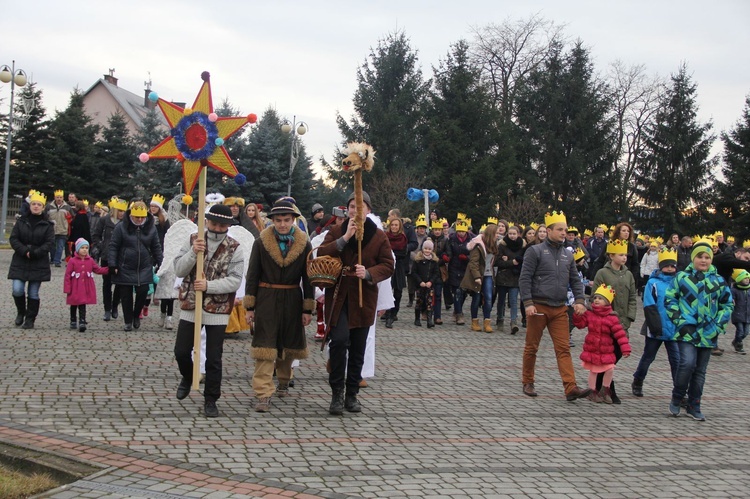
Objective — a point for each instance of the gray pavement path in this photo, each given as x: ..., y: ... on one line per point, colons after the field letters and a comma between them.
x: 444, y: 417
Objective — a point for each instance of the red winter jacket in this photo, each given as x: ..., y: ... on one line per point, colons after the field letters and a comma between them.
x: 604, y: 328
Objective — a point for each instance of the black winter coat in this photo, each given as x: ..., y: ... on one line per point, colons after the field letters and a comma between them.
x: 134, y: 251
x: 37, y: 241
x: 101, y: 238
x: 425, y: 270
x: 80, y: 227
x: 507, y: 272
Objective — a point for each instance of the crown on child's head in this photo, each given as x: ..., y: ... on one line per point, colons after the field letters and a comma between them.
x: 481, y: 229
x: 460, y: 216
x: 492, y: 220
x: 421, y: 221
x: 444, y: 221
x: 578, y: 254
x: 158, y: 199
x: 555, y: 217
x: 436, y: 224
x: 588, y: 232
x: 617, y: 247
x: 86, y: 203
x: 118, y: 204
x: 607, y: 292
x: 534, y: 225
x: 730, y: 239
x: 667, y: 254
x: 572, y: 228
x: 59, y: 192
x: 462, y: 225
x: 99, y: 204
x: 38, y: 197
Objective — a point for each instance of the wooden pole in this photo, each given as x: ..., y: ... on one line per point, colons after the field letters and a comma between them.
x: 199, y: 275
x: 360, y: 219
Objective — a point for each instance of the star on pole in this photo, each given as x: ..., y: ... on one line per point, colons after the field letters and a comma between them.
x: 196, y: 137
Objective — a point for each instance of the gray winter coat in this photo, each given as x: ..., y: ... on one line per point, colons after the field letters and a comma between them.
x: 547, y: 271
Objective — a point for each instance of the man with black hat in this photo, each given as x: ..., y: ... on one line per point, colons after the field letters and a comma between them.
x: 222, y: 275
x: 350, y: 323
x: 279, y: 299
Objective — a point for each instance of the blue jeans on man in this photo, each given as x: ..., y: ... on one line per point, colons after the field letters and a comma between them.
x: 60, y: 242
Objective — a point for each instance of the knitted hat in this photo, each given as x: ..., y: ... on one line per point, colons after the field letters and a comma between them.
x: 740, y: 275
x: 81, y: 242
x: 428, y: 244
x: 702, y: 246
x: 365, y: 198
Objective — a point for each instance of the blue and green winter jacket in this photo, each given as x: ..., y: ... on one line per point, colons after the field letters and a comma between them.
x: 658, y: 325
x: 700, y: 305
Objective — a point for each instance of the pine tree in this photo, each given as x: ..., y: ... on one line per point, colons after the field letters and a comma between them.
x: 28, y: 169
x: 115, y: 152
x: 235, y: 146
x: 675, y: 172
x: 734, y: 195
x: 163, y: 176
x: 70, y: 149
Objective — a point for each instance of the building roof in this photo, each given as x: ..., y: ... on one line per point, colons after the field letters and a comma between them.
x: 132, y: 104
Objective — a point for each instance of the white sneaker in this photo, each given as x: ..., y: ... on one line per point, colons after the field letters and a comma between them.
x: 161, y: 320
x: 168, y: 323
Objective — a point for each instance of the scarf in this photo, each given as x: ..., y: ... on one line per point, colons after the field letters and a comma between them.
x: 285, y: 241
x: 398, y: 241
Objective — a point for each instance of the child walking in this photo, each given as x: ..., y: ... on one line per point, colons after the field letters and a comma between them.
x: 741, y: 313
x: 699, y: 304
x: 657, y: 328
x: 79, y: 283
x: 426, y: 274
x: 604, y: 332
x: 617, y: 275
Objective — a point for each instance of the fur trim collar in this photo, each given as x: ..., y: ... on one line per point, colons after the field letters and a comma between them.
x: 268, y: 239
x: 370, y: 230
x: 420, y: 256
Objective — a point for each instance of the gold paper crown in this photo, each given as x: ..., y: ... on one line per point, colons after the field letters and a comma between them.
x: 86, y: 203
x: 481, y: 229
x: 534, y: 225
x: 738, y: 275
x: 607, y: 292
x: 555, y: 217
x: 746, y: 243
x: 659, y: 240
x: 703, y: 241
x: 603, y: 227
x: 618, y: 247
x: 578, y: 254
x: 421, y: 221
x: 588, y: 232
x: 158, y: 199
x: 137, y: 211
x: 667, y: 254
x: 59, y: 192
x: 444, y: 221
x: 718, y: 233
x: 572, y: 228
x: 118, y: 204
x: 436, y: 224
x: 493, y: 220
x: 99, y: 204
x: 38, y: 197
x: 462, y: 225
x: 460, y: 216
x: 730, y: 239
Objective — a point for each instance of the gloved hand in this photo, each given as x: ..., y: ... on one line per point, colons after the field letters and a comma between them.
x: 446, y: 258
x: 112, y: 270
x: 463, y: 257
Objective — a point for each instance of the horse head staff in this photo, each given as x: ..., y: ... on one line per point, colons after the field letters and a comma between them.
x: 358, y: 156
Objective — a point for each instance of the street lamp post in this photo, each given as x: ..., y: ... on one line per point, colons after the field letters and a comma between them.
x: 296, y: 129
x: 15, y: 78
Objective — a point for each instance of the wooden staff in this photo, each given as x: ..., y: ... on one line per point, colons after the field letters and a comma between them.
x: 359, y: 218
x: 198, y: 275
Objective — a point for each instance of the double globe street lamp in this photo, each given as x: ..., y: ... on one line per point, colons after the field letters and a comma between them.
x: 296, y: 129
x: 14, y: 77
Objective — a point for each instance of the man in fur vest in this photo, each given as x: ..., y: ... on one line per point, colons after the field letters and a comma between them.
x: 277, y: 293
x: 350, y: 323
x: 222, y: 277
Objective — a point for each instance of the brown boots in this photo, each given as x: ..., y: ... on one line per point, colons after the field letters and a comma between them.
x: 487, y: 325
x: 475, y: 325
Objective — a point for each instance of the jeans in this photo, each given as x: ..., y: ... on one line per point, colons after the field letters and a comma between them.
x: 60, y: 243
x: 183, y: 349
x: 512, y: 294
x: 486, y: 294
x: 691, y: 373
x: 347, y: 354
x: 649, y: 354
x: 19, y: 287
x: 459, y: 297
x: 742, y: 330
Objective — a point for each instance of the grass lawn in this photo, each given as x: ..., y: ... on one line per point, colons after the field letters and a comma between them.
x: 15, y: 485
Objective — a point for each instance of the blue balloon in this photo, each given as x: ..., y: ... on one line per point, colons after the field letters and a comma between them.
x: 433, y: 196
x: 413, y: 194
x: 153, y: 96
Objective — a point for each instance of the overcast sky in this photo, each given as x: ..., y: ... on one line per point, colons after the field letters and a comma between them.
x: 301, y: 57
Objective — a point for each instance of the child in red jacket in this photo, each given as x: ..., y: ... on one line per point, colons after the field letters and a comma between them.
x: 598, y: 354
x: 79, y: 283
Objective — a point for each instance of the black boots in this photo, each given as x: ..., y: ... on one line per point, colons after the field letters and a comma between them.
x: 430, y: 319
x: 417, y: 318
x: 637, y: 387
x: 337, y: 402
x: 351, y: 403
x: 615, y: 398
x: 32, y: 310
x: 20, y: 308
x: 389, y: 319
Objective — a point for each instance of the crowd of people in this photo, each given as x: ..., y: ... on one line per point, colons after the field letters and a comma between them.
x: 539, y: 276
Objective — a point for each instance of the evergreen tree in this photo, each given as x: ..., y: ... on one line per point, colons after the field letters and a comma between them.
x: 70, y: 149
x: 115, y: 154
x: 734, y: 195
x: 235, y: 146
x: 162, y: 176
x: 388, y: 106
x: 674, y: 174
x: 28, y: 169
x: 566, y: 137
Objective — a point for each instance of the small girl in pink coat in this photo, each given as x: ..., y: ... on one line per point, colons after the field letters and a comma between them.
x: 598, y: 353
x: 79, y: 283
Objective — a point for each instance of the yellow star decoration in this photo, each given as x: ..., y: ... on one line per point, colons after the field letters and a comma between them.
x: 197, y: 135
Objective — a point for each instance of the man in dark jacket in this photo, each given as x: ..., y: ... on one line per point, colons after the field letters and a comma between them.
x: 351, y: 323
x: 457, y: 257
x: 725, y: 264
x: 547, y: 271
x: 277, y: 281
x: 683, y: 253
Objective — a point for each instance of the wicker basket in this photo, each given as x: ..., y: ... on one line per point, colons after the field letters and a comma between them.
x: 323, y: 271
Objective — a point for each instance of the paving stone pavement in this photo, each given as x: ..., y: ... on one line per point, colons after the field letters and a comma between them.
x: 444, y: 417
